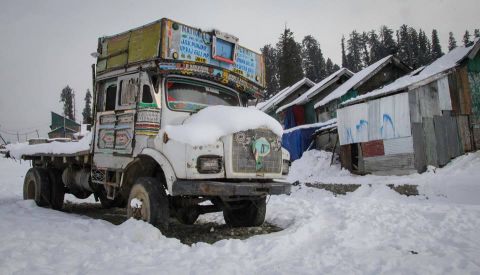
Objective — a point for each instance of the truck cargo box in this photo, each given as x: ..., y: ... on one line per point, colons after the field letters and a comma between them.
x: 175, y: 46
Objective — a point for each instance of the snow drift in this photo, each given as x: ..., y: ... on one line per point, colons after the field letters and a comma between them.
x: 214, y: 122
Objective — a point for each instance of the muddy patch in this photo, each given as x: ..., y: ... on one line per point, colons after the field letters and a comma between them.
x: 207, y: 232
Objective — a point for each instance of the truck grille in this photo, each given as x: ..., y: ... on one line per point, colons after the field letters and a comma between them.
x: 243, y: 160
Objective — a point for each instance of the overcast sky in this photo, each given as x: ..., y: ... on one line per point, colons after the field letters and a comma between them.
x: 46, y: 45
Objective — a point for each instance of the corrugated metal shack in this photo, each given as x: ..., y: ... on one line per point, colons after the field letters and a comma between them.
x: 425, y: 118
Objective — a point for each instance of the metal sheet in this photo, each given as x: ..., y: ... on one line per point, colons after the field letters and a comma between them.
x: 373, y: 121
x: 398, y: 145
x: 444, y: 94
x: 430, y: 141
x: 384, y: 118
x: 394, y: 116
x: 419, y: 147
x: 440, y: 124
x: 353, y: 124
x: 373, y: 148
x: 415, y: 116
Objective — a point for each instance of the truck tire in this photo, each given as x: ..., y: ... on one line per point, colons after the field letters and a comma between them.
x: 153, y: 207
x: 251, y: 213
x: 36, y: 186
x: 57, y: 190
x: 187, y: 215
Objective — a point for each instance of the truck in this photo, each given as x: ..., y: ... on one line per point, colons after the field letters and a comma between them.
x: 145, y: 80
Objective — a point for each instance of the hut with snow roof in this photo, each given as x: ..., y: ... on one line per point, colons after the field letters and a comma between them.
x: 303, y: 105
x: 424, y: 118
x: 285, y: 96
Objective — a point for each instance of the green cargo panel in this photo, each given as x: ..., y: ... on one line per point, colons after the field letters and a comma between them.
x: 144, y: 43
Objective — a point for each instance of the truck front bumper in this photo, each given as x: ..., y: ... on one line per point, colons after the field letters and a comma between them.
x: 217, y: 188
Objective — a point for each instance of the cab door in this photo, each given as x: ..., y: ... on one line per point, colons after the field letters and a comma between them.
x: 116, y: 122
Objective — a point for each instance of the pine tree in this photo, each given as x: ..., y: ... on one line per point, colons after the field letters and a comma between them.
x: 313, y: 61
x: 290, y: 60
x: 334, y: 69
x: 375, y: 47
x: 424, y: 49
x: 354, y: 48
x: 476, y: 33
x: 436, y: 48
x: 365, y: 52
x: 329, y: 67
x: 466, y: 38
x: 87, y: 110
x: 403, y: 41
x: 66, y: 96
x: 344, y: 55
x: 388, y: 45
x: 270, y: 57
x: 452, y: 43
x: 414, y: 47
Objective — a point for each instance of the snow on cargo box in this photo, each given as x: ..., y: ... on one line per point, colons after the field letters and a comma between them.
x: 183, y: 48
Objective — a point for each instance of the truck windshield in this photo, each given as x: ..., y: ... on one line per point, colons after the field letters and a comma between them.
x: 190, y: 96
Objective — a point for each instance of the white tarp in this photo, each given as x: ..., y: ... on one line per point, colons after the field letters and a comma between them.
x: 383, y: 118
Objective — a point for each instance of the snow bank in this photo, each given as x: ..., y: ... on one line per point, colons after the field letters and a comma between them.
x: 214, y: 122
x: 17, y: 150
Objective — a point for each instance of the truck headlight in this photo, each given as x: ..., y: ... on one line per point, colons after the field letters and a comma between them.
x: 209, y: 164
x: 285, y: 167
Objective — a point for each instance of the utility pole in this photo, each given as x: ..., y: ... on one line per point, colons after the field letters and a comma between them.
x: 18, y: 137
x: 38, y: 136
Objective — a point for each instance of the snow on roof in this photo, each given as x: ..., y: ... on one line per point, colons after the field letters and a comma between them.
x: 354, y: 80
x: 18, y: 150
x: 320, y: 125
x: 419, y: 76
x: 206, y: 127
x: 284, y: 93
x: 317, y: 88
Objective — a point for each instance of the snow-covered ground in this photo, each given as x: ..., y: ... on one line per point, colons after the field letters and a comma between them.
x: 370, y: 231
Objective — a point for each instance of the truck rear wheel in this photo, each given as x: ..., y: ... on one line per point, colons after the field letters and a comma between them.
x: 57, y: 194
x: 36, y: 186
x: 148, y: 201
x: 248, y: 213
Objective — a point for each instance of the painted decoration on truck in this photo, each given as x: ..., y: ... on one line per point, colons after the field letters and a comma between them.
x: 184, y: 43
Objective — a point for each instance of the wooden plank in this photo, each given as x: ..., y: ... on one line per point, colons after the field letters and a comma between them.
x: 373, y: 148
x: 419, y: 147
x: 430, y: 141
x: 346, y: 156
x: 453, y: 139
x: 391, y: 164
x: 464, y: 133
x: 465, y: 99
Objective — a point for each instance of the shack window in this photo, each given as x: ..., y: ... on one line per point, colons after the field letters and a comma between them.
x: 110, y: 95
x: 146, y: 94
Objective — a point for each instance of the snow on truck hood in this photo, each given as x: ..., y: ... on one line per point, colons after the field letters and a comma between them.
x: 210, y: 124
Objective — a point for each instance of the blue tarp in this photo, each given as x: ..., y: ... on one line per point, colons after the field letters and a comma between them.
x: 298, y: 140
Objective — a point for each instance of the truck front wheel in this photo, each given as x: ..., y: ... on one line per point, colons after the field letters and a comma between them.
x: 148, y: 201
x: 36, y: 186
x: 248, y: 213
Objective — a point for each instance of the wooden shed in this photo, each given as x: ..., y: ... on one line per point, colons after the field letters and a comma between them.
x: 372, y: 77
x: 285, y: 96
x: 425, y: 118
x: 316, y: 93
